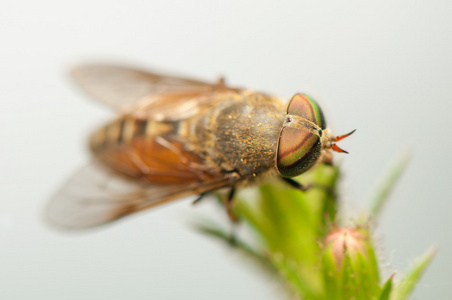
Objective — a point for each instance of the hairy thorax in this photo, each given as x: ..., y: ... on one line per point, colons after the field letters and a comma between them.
x: 240, y: 133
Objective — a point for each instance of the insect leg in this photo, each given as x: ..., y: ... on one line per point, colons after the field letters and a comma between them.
x: 304, y: 188
x: 228, y: 203
x: 197, y: 200
x: 296, y: 184
x: 232, y: 215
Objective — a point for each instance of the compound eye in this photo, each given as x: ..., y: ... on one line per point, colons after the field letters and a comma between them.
x: 304, y: 106
x: 298, y: 151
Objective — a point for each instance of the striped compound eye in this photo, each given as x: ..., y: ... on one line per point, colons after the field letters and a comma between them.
x: 304, y: 106
x: 298, y: 147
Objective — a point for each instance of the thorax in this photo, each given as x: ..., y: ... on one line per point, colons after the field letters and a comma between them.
x: 240, y: 133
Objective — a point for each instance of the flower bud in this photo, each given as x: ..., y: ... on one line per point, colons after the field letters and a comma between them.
x: 350, y: 268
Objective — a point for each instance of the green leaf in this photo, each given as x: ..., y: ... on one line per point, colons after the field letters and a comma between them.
x: 306, y: 287
x: 327, y: 177
x: 407, y: 285
x: 214, y: 230
x: 386, y: 289
x: 387, y: 183
x: 332, y: 277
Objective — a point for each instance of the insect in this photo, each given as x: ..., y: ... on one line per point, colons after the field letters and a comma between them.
x: 177, y: 137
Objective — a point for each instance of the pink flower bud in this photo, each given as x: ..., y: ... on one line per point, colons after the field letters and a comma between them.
x: 350, y: 268
x: 346, y: 241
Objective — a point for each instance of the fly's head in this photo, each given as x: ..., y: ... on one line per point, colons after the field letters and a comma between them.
x: 304, y: 139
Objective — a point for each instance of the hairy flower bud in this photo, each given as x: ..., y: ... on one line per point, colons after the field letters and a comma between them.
x: 349, y: 264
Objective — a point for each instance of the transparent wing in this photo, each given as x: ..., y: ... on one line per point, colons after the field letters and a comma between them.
x: 95, y: 196
x: 121, y: 87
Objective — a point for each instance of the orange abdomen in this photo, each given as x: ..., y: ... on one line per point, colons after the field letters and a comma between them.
x: 146, y: 150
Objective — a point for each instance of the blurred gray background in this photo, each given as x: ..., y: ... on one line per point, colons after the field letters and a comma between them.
x: 383, y: 67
